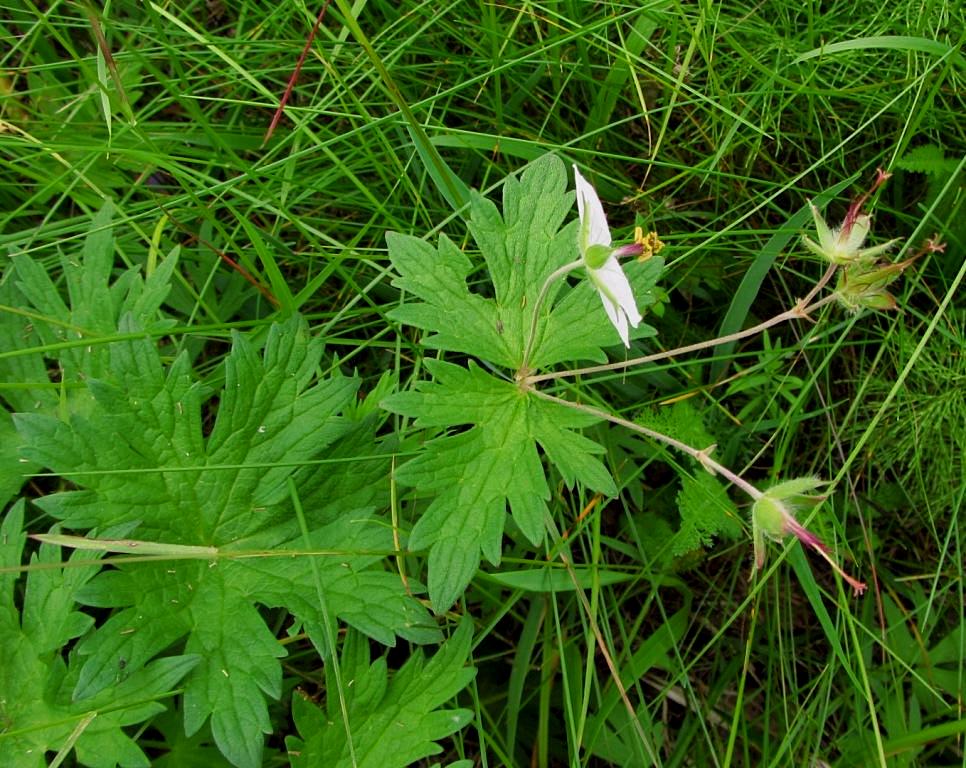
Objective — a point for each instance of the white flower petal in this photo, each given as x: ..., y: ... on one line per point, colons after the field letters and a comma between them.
x: 619, y: 319
x: 609, y: 279
x: 593, y: 222
x: 618, y: 298
x: 612, y: 275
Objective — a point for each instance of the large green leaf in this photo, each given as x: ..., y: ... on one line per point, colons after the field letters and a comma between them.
x: 142, y: 464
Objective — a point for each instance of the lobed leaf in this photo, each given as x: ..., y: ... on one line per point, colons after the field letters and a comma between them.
x: 37, y: 707
x: 228, y: 492
x: 521, y: 248
x: 392, y: 723
x: 478, y: 473
x: 494, y: 462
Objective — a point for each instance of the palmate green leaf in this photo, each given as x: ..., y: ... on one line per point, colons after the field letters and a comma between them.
x: 39, y: 323
x: 521, y: 248
x: 496, y: 462
x: 143, y: 465
x: 97, y: 299
x: 37, y: 711
x: 476, y: 474
x: 392, y: 722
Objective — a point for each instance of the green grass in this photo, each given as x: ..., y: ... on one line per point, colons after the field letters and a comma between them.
x: 713, y: 123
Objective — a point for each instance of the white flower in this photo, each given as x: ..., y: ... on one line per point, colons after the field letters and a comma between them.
x: 600, y: 260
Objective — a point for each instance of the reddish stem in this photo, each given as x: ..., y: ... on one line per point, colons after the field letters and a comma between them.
x: 856, y: 208
x: 811, y: 540
x: 295, y: 75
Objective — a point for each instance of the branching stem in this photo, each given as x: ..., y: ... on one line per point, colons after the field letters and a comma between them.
x: 702, y: 456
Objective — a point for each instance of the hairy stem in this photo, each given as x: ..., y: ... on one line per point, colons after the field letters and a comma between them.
x: 703, y: 457
x: 802, y: 309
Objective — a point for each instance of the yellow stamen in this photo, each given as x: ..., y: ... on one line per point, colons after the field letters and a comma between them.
x: 650, y: 243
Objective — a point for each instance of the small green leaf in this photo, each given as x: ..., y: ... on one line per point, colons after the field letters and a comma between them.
x: 928, y: 158
x: 682, y: 421
x: 706, y: 511
x: 394, y: 722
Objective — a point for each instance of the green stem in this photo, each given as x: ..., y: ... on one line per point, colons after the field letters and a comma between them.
x: 531, y: 338
x: 602, y: 644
